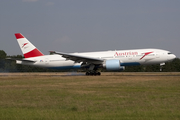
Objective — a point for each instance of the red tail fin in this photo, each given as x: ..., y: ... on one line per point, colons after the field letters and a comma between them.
x: 28, y: 49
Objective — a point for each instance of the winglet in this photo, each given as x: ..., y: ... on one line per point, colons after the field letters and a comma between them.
x: 52, y: 52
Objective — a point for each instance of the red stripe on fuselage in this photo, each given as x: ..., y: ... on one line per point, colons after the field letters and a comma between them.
x: 19, y: 35
x: 147, y: 53
x: 33, y: 53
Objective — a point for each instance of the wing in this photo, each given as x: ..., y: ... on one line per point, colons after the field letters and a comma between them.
x: 79, y: 58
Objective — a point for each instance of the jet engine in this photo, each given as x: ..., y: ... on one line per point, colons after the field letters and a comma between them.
x: 113, y: 64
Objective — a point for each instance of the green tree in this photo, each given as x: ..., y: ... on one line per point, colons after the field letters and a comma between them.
x: 2, y: 54
x: 2, y: 60
x: 173, y: 66
x: 138, y: 68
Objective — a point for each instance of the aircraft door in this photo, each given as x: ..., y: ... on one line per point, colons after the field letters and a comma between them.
x: 46, y: 61
x: 157, y: 55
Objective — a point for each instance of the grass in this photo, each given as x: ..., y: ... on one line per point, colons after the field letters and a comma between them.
x: 112, y: 96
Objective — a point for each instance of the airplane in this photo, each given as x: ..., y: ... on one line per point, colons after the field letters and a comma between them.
x: 113, y: 60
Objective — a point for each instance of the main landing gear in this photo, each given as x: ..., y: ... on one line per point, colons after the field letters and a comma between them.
x: 92, y: 70
x: 93, y: 73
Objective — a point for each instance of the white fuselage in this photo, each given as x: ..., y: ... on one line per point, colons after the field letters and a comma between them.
x: 126, y: 58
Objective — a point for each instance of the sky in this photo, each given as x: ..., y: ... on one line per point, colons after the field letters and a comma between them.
x: 90, y: 25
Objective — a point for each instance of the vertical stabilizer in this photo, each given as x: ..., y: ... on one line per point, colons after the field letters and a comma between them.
x: 28, y: 49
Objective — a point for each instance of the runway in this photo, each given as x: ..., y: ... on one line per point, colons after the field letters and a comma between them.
x: 83, y: 74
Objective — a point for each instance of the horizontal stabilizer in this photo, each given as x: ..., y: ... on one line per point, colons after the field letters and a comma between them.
x: 23, y: 60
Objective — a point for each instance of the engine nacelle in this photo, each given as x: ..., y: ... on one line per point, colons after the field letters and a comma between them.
x: 113, y: 64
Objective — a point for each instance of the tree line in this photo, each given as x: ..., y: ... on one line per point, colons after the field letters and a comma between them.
x: 11, y: 66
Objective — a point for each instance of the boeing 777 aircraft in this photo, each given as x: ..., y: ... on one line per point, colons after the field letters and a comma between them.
x: 110, y: 60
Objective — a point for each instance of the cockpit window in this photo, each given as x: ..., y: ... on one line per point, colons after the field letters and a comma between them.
x: 169, y: 53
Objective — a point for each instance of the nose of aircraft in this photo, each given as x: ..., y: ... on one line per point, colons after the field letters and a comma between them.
x: 174, y: 56
x: 171, y: 57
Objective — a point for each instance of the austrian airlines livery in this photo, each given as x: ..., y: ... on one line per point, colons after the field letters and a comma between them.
x: 110, y: 60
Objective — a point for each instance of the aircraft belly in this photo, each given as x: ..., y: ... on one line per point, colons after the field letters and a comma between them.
x: 63, y: 65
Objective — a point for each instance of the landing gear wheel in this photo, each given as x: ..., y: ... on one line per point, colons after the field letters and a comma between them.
x: 94, y: 73
x: 98, y: 73
x: 87, y: 73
